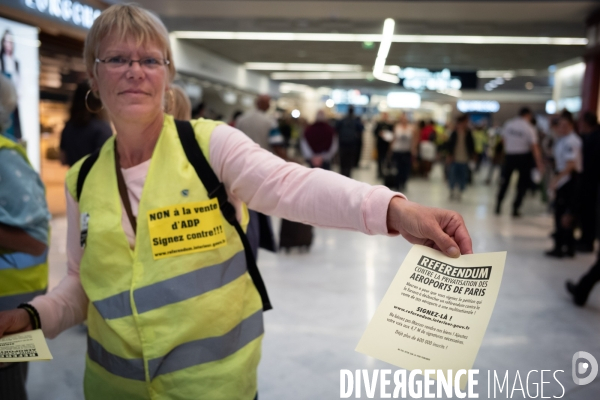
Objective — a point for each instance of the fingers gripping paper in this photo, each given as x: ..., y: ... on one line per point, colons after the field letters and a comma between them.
x: 26, y: 346
x: 436, y: 311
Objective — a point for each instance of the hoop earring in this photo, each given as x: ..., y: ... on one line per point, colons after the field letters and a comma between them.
x: 87, y: 105
x: 170, y: 104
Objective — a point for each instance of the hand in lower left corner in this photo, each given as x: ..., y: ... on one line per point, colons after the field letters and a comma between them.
x: 443, y: 230
x: 14, y: 321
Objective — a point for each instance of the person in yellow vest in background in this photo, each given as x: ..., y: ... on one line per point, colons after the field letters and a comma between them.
x: 441, y: 135
x: 480, y: 136
x: 158, y: 261
x: 24, y: 220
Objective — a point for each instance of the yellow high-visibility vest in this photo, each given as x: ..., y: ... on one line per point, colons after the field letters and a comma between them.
x: 22, y: 276
x: 177, y: 327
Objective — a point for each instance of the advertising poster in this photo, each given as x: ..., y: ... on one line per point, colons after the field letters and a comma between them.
x: 19, y: 61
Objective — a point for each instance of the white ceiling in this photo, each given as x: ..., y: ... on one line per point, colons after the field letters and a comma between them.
x: 434, y: 11
x: 487, y: 18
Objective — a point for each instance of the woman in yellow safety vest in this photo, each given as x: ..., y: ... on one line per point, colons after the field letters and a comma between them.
x: 24, y: 220
x: 164, y: 275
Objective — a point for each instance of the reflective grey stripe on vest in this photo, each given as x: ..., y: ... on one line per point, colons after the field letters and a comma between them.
x: 209, y: 349
x: 125, y: 368
x: 186, y: 355
x: 116, y: 306
x: 12, y: 301
x: 189, y: 285
x: 174, y: 290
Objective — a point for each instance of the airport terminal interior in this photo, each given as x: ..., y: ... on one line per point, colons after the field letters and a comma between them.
x: 450, y: 103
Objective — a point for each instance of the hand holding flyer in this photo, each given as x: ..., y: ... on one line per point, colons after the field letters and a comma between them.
x: 25, y: 346
x: 436, y: 311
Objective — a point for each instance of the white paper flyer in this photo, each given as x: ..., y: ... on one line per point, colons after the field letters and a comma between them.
x: 436, y: 311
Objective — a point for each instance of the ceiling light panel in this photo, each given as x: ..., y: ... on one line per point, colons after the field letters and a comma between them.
x: 294, y: 76
x: 266, y: 66
x: 386, y: 38
x: 350, y: 37
x: 282, y: 36
x: 384, y: 49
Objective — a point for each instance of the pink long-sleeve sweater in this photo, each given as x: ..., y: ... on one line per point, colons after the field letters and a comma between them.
x: 251, y: 175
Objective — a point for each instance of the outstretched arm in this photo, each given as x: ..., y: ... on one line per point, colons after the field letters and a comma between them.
x: 323, y: 198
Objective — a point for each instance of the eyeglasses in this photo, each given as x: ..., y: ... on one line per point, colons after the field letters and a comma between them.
x: 121, y: 63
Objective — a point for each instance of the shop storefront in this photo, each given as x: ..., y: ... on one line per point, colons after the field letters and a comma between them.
x: 45, y: 42
x: 568, y: 86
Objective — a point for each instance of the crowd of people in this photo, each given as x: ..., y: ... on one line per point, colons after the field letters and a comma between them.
x: 560, y: 164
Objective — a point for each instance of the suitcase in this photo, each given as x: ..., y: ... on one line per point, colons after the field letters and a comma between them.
x: 295, y: 234
x: 390, y: 181
x: 390, y: 173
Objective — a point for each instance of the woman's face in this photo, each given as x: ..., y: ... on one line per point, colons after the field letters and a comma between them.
x: 130, y: 92
x: 8, y: 45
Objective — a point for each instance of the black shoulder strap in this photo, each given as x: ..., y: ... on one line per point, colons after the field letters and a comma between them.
x: 84, y: 171
x: 216, y: 189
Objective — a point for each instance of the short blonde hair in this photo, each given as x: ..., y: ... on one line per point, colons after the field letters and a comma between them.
x: 127, y: 20
x: 182, y: 107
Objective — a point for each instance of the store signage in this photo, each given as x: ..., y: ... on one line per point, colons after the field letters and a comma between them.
x: 72, y: 12
x: 421, y: 79
x: 424, y: 79
x: 23, y: 123
x: 480, y: 106
x: 403, y: 100
x: 353, y: 97
x: 571, y: 104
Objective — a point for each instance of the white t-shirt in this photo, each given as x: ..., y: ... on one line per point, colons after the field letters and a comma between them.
x: 402, y: 138
x: 567, y: 148
x: 519, y: 135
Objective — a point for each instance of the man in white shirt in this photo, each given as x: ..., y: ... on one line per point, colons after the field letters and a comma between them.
x: 569, y: 164
x: 262, y: 128
x: 521, y: 150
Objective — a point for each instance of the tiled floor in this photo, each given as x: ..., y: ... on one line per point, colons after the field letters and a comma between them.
x: 324, y: 299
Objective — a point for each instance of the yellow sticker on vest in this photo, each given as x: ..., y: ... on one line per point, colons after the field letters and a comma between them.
x: 186, y: 228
